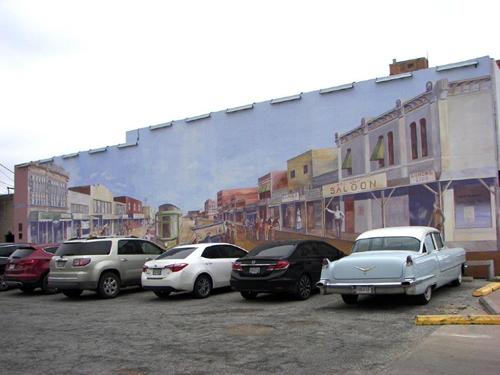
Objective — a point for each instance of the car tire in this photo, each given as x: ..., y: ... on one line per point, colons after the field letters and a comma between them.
x: 72, y: 293
x: 161, y: 293
x: 109, y: 285
x: 304, y: 287
x: 202, y: 286
x: 423, y: 299
x: 249, y: 295
x: 350, y: 299
x: 27, y: 289
x: 3, y: 284
x: 45, y: 285
x: 458, y: 280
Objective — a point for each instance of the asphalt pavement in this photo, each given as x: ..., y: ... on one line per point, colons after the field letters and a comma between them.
x: 456, y: 349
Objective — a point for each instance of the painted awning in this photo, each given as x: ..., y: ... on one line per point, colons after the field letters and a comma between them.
x: 379, y: 150
x: 347, y: 163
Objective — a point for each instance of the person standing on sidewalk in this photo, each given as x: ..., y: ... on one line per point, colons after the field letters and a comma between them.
x: 338, y: 218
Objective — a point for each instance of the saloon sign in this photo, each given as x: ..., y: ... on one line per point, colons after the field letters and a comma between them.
x: 358, y: 185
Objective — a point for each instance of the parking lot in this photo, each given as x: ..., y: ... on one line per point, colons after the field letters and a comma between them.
x: 137, y: 333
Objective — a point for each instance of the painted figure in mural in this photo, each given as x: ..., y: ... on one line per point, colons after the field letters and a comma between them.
x: 268, y: 226
x: 298, y: 221
x: 437, y: 219
x: 257, y: 228
x: 338, y: 218
x: 9, y: 237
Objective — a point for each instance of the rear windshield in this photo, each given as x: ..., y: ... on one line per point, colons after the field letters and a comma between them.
x: 280, y: 251
x: 51, y: 250
x: 5, y: 251
x: 386, y: 243
x: 22, y: 253
x: 177, y: 253
x: 84, y: 248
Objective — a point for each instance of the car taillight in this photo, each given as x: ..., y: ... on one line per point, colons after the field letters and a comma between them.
x: 280, y: 265
x: 409, y: 261
x: 145, y: 268
x: 26, y: 262
x: 176, y: 267
x: 237, y: 266
x: 81, y: 262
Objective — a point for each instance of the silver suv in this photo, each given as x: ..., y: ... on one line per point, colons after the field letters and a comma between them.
x: 101, y: 264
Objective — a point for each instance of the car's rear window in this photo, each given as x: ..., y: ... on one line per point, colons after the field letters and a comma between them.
x: 22, y: 253
x: 6, y: 251
x: 51, y: 250
x: 177, y: 253
x: 386, y: 243
x: 280, y: 251
x: 84, y: 248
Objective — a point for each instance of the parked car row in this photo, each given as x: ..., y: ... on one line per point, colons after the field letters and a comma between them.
x: 404, y: 260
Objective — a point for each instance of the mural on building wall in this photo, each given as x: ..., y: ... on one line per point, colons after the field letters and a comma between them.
x: 406, y: 166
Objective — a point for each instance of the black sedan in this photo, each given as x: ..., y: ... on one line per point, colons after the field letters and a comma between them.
x: 282, y: 267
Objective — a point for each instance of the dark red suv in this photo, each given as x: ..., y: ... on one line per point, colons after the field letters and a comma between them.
x: 28, y: 267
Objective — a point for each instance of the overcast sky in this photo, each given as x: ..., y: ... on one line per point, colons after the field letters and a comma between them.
x: 76, y: 75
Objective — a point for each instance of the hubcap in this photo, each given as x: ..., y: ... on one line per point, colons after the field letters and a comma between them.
x: 428, y: 293
x: 304, y: 286
x: 203, y: 286
x: 110, y: 285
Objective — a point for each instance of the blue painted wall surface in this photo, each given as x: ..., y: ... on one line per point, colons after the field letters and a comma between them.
x: 187, y: 163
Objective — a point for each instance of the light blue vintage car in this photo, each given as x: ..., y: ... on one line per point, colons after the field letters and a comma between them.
x: 397, y: 260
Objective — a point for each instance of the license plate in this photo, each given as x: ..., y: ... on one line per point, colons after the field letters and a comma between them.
x: 364, y: 290
x: 254, y: 270
x: 60, y: 264
x: 157, y: 271
x: 12, y: 266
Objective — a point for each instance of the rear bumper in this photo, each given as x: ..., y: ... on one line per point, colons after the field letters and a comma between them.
x: 71, y: 283
x: 16, y: 281
x: 278, y: 285
x: 398, y: 287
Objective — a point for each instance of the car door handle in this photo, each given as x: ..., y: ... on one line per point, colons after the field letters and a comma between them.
x: 124, y: 259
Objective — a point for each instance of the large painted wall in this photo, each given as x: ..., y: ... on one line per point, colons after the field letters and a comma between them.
x: 189, y: 162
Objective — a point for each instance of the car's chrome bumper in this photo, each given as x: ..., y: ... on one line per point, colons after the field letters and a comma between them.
x: 394, y: 287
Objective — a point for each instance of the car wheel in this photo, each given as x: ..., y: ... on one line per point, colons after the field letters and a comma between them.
x: 27, y: 289
x: 350, y: 299
x: 304, y: 287
x: 202, y: 286
x: 72, y: 293
x: 423, y: 299
x: 3, y: 284
x: 249, y: 295
x: 458, y: 280
x: 109, y: 285
x: 162, y: 293
x: 45, y: 285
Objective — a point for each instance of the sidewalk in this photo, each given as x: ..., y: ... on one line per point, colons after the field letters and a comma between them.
x: 456, y: 349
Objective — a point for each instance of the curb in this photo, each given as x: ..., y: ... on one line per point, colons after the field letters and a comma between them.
x: 487, y: 289
x: 423, y: 320
x: 488, y: 305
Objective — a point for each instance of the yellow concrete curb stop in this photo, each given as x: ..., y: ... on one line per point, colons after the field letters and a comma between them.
x: 485, y: 290
x: 423, y: 320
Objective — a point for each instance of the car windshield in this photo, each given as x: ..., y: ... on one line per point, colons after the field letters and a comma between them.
x: 22, y: 253
x: 177, y: 253
x: 386, y: 243
x: 279, y: 251
x: 84, y: 248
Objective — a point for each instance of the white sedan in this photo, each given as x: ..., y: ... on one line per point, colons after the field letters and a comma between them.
x: 398, y: 260
x: 196, y: 268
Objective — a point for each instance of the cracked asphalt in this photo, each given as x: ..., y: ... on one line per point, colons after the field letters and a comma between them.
x: 137, y: 333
